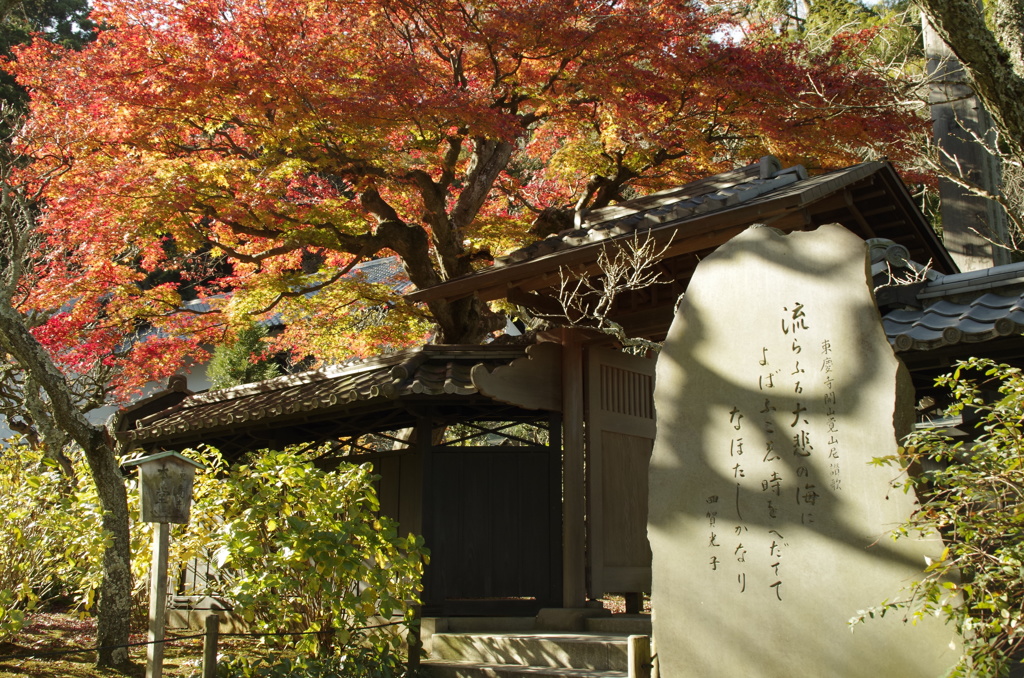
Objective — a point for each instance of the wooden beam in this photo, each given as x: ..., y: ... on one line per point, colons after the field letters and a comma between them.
x: 574, y: 543
x: 858, y: 215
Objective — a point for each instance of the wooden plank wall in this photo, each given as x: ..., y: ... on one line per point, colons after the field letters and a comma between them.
x: 620, y: 436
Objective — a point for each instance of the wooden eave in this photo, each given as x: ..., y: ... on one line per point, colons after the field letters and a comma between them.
x: 869, y: 199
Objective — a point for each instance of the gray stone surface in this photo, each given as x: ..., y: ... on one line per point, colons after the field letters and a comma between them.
x: 769, y: 527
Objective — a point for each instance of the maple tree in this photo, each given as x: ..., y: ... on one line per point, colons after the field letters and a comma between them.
x: 263, y: 148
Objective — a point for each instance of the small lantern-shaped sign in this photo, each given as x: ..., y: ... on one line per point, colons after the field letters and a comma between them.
x: 165, y: 482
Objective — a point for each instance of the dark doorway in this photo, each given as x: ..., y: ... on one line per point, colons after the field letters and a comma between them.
x: 493, y: 526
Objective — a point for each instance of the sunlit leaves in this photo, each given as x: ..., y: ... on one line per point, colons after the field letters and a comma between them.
x: 44, y: 554
x: 253, y: 130
x: 972, y: 493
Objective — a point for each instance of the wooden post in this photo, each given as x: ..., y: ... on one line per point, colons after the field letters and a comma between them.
x: 210, y: 646
x: 157, y: 600
x: 574, y: 540
x: 415, y: 643
x: 639, y: 656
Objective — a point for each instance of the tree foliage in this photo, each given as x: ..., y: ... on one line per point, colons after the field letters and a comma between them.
x: 290, y: 140
x: 972, y: 495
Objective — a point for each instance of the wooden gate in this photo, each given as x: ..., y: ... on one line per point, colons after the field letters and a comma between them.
x: 495, y: 531
x: 620, y: 436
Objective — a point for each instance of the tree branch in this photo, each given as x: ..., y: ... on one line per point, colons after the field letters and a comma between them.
x: 989, y: 66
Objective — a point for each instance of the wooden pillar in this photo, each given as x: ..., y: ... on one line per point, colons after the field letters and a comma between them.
x: 574, y: 541
x: 157, y: 600
x: 424, y: 441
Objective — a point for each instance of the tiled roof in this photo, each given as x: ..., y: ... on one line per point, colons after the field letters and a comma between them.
x: 385, y: 271
x: 687, y: 223
x: 702, y: 197
x: 962, y: 308
x: 429, y: 370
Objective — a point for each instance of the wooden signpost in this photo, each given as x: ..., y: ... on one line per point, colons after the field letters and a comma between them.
x: 165, y: 482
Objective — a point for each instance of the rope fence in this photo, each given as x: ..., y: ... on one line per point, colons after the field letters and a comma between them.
x: 177, y: 639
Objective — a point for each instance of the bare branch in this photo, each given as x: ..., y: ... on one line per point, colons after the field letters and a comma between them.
x: 626, y: 265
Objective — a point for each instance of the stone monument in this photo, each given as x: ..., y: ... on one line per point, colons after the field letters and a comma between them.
x: 769, y: 526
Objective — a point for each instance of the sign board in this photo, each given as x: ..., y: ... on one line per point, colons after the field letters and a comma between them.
x: 165, y: 482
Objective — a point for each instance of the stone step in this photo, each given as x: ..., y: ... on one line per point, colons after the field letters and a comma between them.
x: 631, y: 624
x: 441, y: 668
x: 478, y: 624
x: 594, y: 651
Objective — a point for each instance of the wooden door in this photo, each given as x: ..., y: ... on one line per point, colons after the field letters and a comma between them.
x: 495, y: 531
x: 620, y: 436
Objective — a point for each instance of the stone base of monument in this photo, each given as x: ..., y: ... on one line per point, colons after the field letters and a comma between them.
x: 603, y: 648
x: 190, y: 612
x: 195, y: 620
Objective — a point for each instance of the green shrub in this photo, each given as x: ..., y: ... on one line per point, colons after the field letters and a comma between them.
x: 299, y: 550
x: 972, y: 495
x: 43, y: 554
x: 22, y: 564
x: 305, y: 551
x: 358, y: 662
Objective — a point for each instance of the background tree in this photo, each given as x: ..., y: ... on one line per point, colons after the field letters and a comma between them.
x: 992, y: 54
x: 988, y: 40
x: 65, y: 22
x: 243, y: 360
x: 294, y: 139
x: 990, y: 34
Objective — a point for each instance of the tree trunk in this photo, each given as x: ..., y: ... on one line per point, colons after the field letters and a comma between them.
x: 115, y: 590
x: 464, y: 321
x: 989, y: 59
x: 115, y: 599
